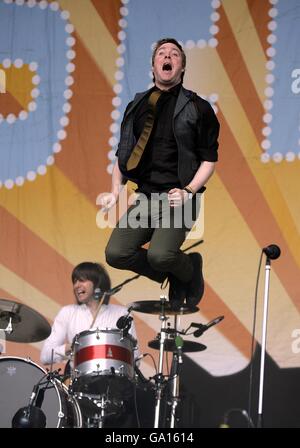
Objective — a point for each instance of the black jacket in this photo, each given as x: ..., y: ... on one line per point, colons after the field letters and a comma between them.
x: 196, y: 130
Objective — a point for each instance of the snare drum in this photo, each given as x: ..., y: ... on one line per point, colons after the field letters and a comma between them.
x: 103, y: 364
x: 18, y: 377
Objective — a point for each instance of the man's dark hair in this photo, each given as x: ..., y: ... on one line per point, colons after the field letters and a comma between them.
x: 170, y: 40
x: 94, y: 272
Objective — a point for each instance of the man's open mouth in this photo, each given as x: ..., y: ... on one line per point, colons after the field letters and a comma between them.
x: 167, y: 67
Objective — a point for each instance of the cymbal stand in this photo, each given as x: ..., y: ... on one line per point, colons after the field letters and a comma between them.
x: 98, y: 418
x: 176, y: 361
x: 159, y: 377
x: 11, y: 318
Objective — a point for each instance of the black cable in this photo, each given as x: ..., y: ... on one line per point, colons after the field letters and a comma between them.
x: 252, y: 341
x: 136, y: 406
x: 153, y: 360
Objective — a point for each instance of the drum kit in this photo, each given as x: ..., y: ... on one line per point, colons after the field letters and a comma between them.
x: 98, y: 387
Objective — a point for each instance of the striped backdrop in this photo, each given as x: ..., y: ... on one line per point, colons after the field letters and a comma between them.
x: 67, y: 82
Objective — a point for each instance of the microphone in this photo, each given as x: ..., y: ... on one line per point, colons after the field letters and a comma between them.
x: 33, y: 395
x: 30, y: 416
x: 179, y: 344
x: 97, y: 293
x: 273, y: 252
x: 202, y: 328
x: 125, y: 321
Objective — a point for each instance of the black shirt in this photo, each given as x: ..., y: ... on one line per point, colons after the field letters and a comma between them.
x: 158, y: 168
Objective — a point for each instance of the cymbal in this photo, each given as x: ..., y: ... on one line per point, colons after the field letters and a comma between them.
x: 27, y: 324
x: 156, y: 307
x: 188, y: 346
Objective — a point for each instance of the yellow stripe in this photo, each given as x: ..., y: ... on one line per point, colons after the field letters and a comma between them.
x: 18, y: 82
x: 215, y: 79
x: 2, y: 80
x: 287, y: 177
x: 245, y: 33
x: 28, y: 294
x: 94, y: 34
x: 55, y: 210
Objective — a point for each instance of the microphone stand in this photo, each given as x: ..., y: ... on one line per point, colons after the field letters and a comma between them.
x: 272, y: 252
x: 263, y: 343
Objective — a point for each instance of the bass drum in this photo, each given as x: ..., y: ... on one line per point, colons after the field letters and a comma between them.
x: 18, y: 376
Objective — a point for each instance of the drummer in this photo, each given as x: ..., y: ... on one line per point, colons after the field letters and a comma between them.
x: 87, y: 313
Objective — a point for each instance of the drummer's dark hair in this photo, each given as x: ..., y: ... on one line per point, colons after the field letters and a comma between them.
x: 94, y: 272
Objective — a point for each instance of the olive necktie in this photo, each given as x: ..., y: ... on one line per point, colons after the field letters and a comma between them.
x: 139, y: 148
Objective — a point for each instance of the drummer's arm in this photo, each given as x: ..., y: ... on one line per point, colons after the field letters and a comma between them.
x: 56, y: 341
x: 68, y: 349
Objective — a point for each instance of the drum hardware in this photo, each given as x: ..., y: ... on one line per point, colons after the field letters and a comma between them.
x: 32, y: 416
x: 103, y: 373
x: 155, y: 307
x: 164, y: 309
x: 174, y: 380
x: 47, y: 401
x: 124, y: 322
x: 170, y: 340
x: 22, y: 323
x: 11, y: 318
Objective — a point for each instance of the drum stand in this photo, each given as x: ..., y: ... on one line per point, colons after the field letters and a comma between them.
x: 175, y: 380
x: 99, y: 418
x: 174, y: 375
x: 159, y: 376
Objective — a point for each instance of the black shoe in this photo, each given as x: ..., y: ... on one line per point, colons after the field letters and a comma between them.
x: 177, y: 292
x: 195, y: 287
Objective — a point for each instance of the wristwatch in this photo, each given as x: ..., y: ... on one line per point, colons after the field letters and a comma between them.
x: 190, y: 193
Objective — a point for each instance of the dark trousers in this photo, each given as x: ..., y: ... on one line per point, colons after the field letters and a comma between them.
x: 164, y: 227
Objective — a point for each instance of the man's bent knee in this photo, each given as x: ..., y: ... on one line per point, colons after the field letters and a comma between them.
x: 161, y: 261
x: 113, y: 257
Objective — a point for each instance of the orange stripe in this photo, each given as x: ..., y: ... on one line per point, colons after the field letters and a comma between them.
x: 246, y: 194
x: 23, y: 351
x: 259, y: 12
x: 84, y: 155
x: 30, y: 258
x: 9, y: 105
x: 236, y: 69
x: 6, y: 295
x: 231, y: 327
x: 109, y: 10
